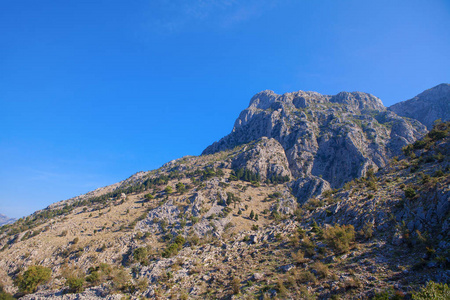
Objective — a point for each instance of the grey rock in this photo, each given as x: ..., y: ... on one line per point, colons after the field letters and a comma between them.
x: 265, y: 157
x: 426, y: 107
x: 257, y: 276
x: 322, y: 141
x: 286, y: 268
x: 253, y: 239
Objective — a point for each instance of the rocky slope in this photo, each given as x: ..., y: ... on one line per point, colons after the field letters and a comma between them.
x: 327, y: 140
x: 431, y: 105
x: 240, y: 223
x: 5, y: 220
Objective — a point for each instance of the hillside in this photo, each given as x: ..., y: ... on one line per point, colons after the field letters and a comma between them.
x: 310, y: 196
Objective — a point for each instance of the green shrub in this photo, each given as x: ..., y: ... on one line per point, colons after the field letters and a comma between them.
x: 438, y: 173
x: 32, y: 278
x: 339, y: 237
x: 75, y: 284
x: 367, y: 231
x: 149, y: 196
x: 419, y: 144
x: 120, y: 278
x: 316, y: 228
x: 140, y: 254
x: 409, y: 192
x: 308, y: 246
x: 181, y: 188
x: 174, y: 247
x: 4, y: 295
x: 321, y: 269
x: 437, y: 134
x: 93, y: 278
x: 306, y: 276
x: 437, y: 291
x: 105, y: 268
x: 168, y: 189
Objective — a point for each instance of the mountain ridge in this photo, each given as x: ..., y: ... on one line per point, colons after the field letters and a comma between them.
x: 313, y: 129
x: 428, y: 106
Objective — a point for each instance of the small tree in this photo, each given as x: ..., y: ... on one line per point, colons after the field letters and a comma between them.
x: 252, y: 214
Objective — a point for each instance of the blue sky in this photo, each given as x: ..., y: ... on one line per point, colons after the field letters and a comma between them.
x: 94, y: 91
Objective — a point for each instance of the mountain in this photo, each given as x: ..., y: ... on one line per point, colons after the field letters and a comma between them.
x: 5, y: 220
x: 428, y: 106
x: 327, y: 140
x: 310, y: 196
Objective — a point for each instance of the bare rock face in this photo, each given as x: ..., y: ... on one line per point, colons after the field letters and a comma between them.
x: 265, y: 157
x: 427, y: 107
x: 305, y: 188
x: 327, y: 140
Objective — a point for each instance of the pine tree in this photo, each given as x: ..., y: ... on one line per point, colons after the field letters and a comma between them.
x: 252, y: 214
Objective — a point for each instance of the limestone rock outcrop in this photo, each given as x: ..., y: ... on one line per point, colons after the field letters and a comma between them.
x: 265, y: 157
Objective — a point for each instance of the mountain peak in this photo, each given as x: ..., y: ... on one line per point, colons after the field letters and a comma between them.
x: 428, y: 106
x: 441, y: 90
x: 268, y: 99
x: 313, y: 129
x: 359, y: 100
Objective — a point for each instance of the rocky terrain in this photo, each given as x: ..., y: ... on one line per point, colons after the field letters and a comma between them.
x: 327, y: 140
x: 310, y: 196
x: 5, y: 220
x: 431, y: 105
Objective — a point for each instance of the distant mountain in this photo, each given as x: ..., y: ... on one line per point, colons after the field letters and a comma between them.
x: 427, y: 107
x: 5, y: 220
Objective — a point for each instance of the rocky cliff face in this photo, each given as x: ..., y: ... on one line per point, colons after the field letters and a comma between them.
x: 327, y: 140
x: 427, y: 107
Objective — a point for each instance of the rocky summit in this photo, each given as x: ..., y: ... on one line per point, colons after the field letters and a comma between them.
x: 427, y: 107
x: 326, y: 140
x: 309, y: 197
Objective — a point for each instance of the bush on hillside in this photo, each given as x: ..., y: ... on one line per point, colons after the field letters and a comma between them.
x: 75, y: 284
x: 437, y: 291
x: 32, y: 278
x: 339, y: 237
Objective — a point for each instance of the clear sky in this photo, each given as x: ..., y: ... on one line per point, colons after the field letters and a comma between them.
x: 94, y: 91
